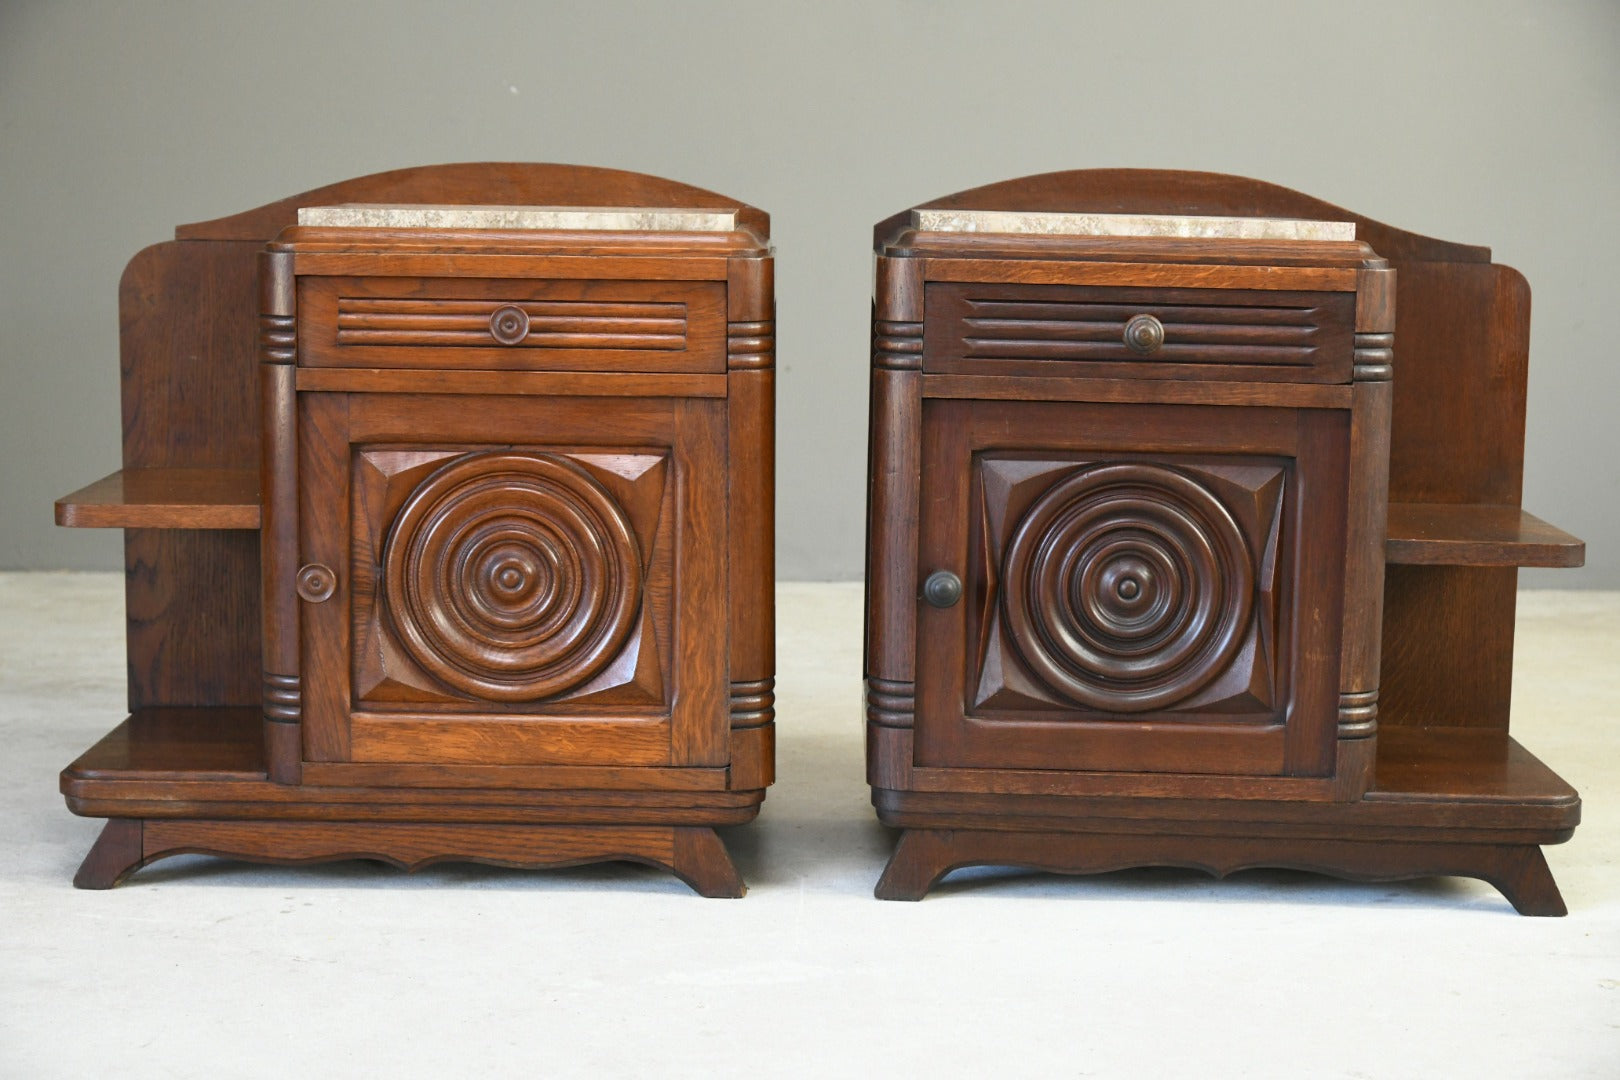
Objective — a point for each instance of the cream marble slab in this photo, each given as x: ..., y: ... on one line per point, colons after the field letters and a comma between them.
x: 1057, y: 224
x: 568, y: 218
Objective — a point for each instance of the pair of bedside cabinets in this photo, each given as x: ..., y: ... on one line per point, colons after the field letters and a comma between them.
x: 448, y: 506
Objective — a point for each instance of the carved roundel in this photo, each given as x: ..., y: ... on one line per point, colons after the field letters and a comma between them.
x: 1128, y: 587
x: 512, y: 576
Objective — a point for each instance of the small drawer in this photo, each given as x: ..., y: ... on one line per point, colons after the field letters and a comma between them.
x: 1096, y: 332
x: 512, y: 325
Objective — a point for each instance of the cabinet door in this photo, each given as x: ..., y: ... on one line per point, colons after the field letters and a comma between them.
x: 1146, y: 588
x: 518, y: 581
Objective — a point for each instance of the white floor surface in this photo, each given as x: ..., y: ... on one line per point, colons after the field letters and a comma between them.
x: 203, y: 968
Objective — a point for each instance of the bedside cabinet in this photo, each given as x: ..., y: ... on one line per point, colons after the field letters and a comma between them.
x: 514, y: 536
x: 1130, y: 504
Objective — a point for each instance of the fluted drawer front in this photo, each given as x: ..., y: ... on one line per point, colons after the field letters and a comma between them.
x: 1143, y: 333
x: 566, y: 325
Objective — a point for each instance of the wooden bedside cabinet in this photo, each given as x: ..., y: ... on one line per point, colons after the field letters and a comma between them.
x: 1130, y: 504
x: 514, y: 520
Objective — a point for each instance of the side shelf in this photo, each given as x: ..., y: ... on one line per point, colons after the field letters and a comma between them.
x: 1437, y: 534
x: 165, y: 499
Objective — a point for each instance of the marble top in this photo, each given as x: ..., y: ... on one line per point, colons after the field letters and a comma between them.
x: 1058, y: 224
x: 566, y: 218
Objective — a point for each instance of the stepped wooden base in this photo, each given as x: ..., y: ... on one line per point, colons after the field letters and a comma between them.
x: 923, y: 856
x: 693, y: 854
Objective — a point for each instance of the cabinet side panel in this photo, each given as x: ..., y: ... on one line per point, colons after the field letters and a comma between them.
x: 1461, y: 353
x: 187, y: 313
x: 1448, y: 646
x: 191, y: 615
x: 1462, y: 343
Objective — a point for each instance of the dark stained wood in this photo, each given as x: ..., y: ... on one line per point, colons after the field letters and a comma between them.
x: 702, y: 862
x: 115, y: 855
x: 591, y: 412
x: 923, y: 856
x: 1463, y: 534
x: 193, y: 744
x: 165, y: 499
x: 693, y: 854
x: 1443, y: 664
x: 171, y: 762
x: 1368, y: 503
x: 893, y: 513
x: 992, y: 739
x: 1464, y: 764
x: 995, y: 695
x: 279, y: 530
x: 187, y: 334
x: 1143, y: 392
x: 567, y: 325
x: 1289, y: 337
x: 527, y: 383
x: 191, y: 617
x: 628, y: 777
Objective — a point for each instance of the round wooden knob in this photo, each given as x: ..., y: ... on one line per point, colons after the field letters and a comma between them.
x: 316, y: 583
x: 1144, y: 334
x: 509, y: 324
x: 942, y: 589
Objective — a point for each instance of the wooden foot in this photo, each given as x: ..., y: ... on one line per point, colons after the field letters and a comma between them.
x: 695, y: 855
x: 702, y: 861
x: 1520, y: 873
x: 114, y: 856
x: 923, y: 856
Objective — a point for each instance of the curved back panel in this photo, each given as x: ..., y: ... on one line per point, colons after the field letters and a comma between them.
x: 491, y: 183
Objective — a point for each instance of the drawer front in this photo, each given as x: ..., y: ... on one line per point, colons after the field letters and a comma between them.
x: 1098, y: 332
x: 512, y: 325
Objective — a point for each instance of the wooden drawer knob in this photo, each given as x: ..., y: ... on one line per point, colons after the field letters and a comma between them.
x: 509, y: 324
x: 316, y: 583
x: 1144, y: 334
x: 942, y: 589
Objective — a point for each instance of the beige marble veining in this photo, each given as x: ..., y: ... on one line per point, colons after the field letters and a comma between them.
x: 567, y: 218
x: 1060, y: 224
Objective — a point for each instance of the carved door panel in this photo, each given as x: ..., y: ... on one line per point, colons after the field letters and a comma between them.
x: 513, y: 581
x: 1135, y: 593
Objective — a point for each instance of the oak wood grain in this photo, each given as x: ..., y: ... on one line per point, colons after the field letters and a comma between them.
x: 165, y: 499
x: 1467, y: 534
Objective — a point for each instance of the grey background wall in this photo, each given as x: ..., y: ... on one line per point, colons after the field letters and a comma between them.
x: 1492, y: 123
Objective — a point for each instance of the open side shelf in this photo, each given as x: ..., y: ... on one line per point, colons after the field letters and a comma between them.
x: 209, y: 761
x: 1439, y: 534
x: 1467, y: 765
x: 165, y: 499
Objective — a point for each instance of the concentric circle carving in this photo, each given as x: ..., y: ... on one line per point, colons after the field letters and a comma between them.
x: 509, y: 324
x: 1144, y: 334
x: 1127, y: 587
x: 512, y: 576
x: 315, y: 583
